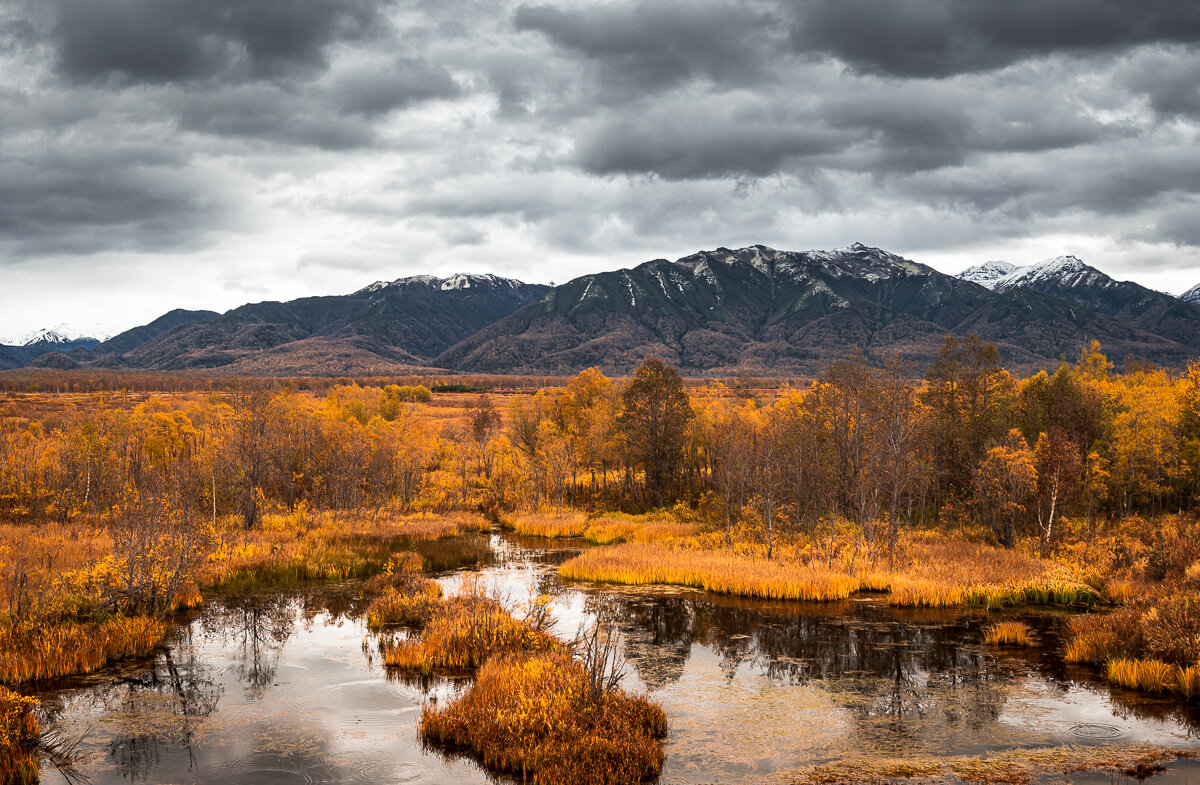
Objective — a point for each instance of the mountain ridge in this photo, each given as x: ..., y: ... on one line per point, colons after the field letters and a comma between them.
x: 724, y: 311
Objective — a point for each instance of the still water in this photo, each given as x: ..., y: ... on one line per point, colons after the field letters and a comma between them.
x: 278, y: 688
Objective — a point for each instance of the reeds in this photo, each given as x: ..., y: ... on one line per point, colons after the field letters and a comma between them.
x: 19, y: 735
x: 946, y: 576
x: 723, y: 572
x: 1008, y: 633
x: 461, y: 633
x: 555, y: 525
x: 413, y: 608
x: 535, y: 716
x: 1148, y: 675
x: 604, y: 529
x: 67, y: 649
x: 1144, y: 675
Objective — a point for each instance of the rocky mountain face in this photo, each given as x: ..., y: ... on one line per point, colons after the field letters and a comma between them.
x: 1191, y: 295
x: 764, y: 310
x: 754, y: 309
x: 1070, y: 279
x: 379, y: 328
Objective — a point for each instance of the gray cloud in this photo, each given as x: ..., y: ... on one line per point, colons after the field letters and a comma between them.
x: 932, y: 38
x: 329, y: 142
x: 155, y: 41
x: 652, y: 45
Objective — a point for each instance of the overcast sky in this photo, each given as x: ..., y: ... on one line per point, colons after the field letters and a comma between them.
x: 157, y: 154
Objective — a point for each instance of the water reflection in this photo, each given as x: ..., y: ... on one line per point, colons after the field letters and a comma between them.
x: 277, y: 687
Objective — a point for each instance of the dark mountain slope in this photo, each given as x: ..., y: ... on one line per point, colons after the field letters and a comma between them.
x: 764, y: 310
x: 133, y: 338
x: 403, y: 322
x: 1068, y: 278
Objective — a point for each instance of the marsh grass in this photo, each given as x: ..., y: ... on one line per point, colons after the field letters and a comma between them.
x: 393, y: 607
x: 55, y: 621
x: 1155, y: 676
x: 605, y: 529
x: 66, y: 649
x: 536, y: 716
x: 1011, y: 767
x: 297, y: 548
x: 461, y: 633
x: 1008, y: 633
x: 936, y: 575
x: 1152, y: 646
x: 19, y: 735
x: 536, y: 708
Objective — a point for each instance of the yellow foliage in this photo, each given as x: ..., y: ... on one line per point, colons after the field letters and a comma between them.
x: 19, y: 731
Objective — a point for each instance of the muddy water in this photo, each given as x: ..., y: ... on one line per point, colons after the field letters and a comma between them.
x: 278, y: 688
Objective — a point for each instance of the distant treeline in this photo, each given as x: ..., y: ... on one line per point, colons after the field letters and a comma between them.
x: 870, y: 447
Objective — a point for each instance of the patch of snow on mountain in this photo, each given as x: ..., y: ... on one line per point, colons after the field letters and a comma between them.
x: 452, y: 283
x: 1191, y: 295
x: 60, y: 333
x: 1062, y: 270
x: 988, y: 273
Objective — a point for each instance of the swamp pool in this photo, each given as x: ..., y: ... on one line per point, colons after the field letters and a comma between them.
x: 278, y: 687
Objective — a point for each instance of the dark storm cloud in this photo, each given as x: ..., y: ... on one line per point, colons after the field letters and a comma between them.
x: 155, y: 41
x: 83, y: 200
x: 374, y: 91
x: 355, y: 131
x: 651, y: 45
x: 939, y: 38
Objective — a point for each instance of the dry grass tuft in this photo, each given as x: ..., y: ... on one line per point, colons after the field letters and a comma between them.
x: 535, y: 716
x: 1008, y: 633
x: 1011, y: 767
x: 461, y: 633
x: 1154, y: 676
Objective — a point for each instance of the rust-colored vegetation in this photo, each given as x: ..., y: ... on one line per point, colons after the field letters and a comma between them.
x: 932, y: 575
x: 536, y: 716
x: 1008, y: 633
x: 1011, y: 767
x: 540, y: 708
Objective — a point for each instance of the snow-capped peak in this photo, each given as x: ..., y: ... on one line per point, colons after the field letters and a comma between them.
x: 988, y: 273
x: 58, y: 334
x: 1191, y: 295
x: 452, y: 283
x: 1061, y: 270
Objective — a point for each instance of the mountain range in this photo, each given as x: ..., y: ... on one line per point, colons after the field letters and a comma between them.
x: 754, y: 309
